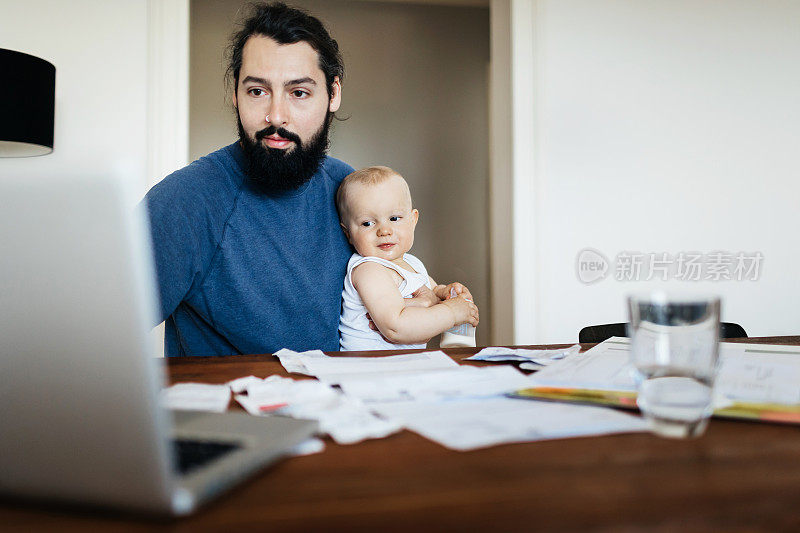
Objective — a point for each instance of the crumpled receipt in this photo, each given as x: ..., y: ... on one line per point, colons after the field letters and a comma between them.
x: 345, y: 419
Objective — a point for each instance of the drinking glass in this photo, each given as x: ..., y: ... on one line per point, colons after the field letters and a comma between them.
x: 675, y: 351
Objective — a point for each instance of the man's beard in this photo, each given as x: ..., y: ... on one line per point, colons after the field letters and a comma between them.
x: 274, y: 171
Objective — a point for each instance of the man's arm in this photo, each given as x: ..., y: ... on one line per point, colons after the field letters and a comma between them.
x: 399, y: 323
x: 179, y: 251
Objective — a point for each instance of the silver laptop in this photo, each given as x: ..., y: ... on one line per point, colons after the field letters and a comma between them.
x: 79, y: 413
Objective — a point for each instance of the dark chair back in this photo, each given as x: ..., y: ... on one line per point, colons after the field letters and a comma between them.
x: 601, y: 332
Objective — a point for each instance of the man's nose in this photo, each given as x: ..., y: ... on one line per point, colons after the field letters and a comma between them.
x: 278, y: 113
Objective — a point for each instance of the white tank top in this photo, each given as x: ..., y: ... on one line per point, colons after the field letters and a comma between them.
x: 354, y: 332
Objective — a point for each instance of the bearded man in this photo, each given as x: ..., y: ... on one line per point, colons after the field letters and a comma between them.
x: 249, y: 254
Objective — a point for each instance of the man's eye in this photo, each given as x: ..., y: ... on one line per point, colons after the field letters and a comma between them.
x: 256, y: 92
x: 297, y: 93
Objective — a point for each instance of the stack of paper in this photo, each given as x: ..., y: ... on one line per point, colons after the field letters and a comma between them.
x: 754, y: 381
x: 460, y: 407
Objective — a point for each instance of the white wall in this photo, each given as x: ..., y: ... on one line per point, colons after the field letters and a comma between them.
x: 416, y: 92
x: 663, y: 126
x: 99, y: 49
x: 121, y: 69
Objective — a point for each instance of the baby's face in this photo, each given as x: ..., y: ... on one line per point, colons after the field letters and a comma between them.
x: 380, y: 220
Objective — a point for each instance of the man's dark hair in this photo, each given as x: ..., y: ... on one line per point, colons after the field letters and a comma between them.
x: 286, y: 25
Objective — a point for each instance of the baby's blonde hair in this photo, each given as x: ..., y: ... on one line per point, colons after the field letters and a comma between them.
x: 365, y: 176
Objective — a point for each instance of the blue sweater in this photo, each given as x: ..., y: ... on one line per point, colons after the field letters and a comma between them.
x: 244, y: 273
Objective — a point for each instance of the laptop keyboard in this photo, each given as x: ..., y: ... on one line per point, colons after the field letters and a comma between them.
x: 191, y: 454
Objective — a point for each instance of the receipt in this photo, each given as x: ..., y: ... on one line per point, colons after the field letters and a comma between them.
x: 345, y: 419
x: 293, y: 361
x: 196, y: 397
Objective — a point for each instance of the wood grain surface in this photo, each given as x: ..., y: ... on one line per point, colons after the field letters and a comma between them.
x: 739, y: 476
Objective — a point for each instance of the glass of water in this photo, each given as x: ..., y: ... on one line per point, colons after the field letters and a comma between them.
x: 675, y: 351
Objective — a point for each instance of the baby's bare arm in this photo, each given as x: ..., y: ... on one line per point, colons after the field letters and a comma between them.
x: 397, y: 322
x: 422, y: 297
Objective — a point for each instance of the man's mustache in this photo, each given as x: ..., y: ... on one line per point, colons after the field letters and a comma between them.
x: 270, y: 130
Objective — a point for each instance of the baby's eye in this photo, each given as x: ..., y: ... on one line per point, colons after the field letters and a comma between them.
x: 395, y: 218
x: 366, y: 223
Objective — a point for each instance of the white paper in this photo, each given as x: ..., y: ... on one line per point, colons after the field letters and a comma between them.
x: 196, y: 397
x: 348, y: 421
x: 461, y: 382
x: 278, y: 394
x: 345, y: 419
x: 470, y: 424
x: 539, y: 358
x: 334, y: 369
x: 308, y: 447
x: 240, y: 385
x: 535, y: 366
x: 293, y: 361
x: 747, y: 372
x: 605, y: 367
x: 761, y: 378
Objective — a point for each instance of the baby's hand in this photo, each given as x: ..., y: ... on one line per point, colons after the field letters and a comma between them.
x: 423, y: 297
x: 445, y: 292
x: 464, y: 310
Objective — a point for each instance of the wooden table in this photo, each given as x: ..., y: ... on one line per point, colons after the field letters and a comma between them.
x: 740, y: 476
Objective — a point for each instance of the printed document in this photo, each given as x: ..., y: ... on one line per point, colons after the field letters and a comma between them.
x: 460, y: 382
x: 477, y: 423
x: 333, y: 369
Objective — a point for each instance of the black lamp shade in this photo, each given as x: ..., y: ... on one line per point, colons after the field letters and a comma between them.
x: 27, y: 104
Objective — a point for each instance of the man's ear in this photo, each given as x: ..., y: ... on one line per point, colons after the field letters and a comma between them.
x: 336, y: 95
x: 233, y: 96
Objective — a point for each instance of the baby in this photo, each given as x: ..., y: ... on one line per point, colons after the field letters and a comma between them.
x: 377, y: 217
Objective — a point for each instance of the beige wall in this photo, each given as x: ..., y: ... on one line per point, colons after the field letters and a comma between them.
x: 415, y: 90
